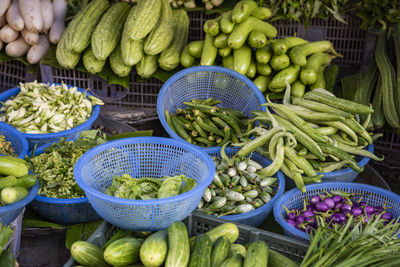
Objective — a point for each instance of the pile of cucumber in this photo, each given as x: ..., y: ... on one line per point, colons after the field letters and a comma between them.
x: 243, y: 41
x: 173, y: 247
x: 204, y: 124
x: 14, y: 179
x: 147, y: 36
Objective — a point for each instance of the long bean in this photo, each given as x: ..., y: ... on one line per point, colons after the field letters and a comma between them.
x: 299, y: 161
x: 342, y: 156
x: 340, y: 139
x: 343, y: 127
x: 291, y: 171
x: 320, y: 107
x: 357, y: 128
x: 358, y: 151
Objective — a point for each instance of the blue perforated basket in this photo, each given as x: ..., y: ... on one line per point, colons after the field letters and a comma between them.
x: 346, y: 175
x: 233, y: 89
x: 17, y: 139
x: 63, y: 211
x: 294, y: 199
x: 143, y: 157
x: 8, y: 213
x: 255, y: 217
x: 42, y: 139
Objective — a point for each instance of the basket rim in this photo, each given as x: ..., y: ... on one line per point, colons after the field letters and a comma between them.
x: 52, y: 200
x: 343, y: 185
x: 95, y: 114
x: 23, y: 202
x: 364, y: 161
x: 258, y: 211
x: 142, y: 140
x: 180, y: 74
x: 13, y: 131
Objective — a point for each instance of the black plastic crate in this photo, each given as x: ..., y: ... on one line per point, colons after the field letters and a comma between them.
x: 12, y: 73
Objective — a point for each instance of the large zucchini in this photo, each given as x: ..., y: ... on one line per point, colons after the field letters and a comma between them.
x: 178, y: 245
x: 117, y: 65
x: 66, y: 57
x: 107, y: 33
x: 201, y: 256
x: 162, y: 34
x: 11, y: 166
x: 87, y: 254
x: 257, y: 255
x: 154, y: 249
x: 143, y: 19
x: 170, y: 57
x: 80, y: 29
x: 123, y: 251
x: 147, y: 66
x: 91, y: 63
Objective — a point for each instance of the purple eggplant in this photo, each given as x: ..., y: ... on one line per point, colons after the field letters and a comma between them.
x: 310, y: 207
x: 308, y: 214
x: 322, y: 207
x: 315, y: 200
x: 329, y: 202
x: 346, y: 208
x: 335, y: 218
x: 379, y: 209
x: 362, y: 204
x: 387, y: 216
x: 369, y: 209
x: 300, y: 219
x: 356, y: 211
x: 291, y: 222
x: 337, y: 198
x: 291, y: 216
x: 310, y: 219
x: 338, y: 206
x: 342, y: 217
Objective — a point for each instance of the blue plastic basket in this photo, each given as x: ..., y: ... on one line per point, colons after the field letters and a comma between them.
x: 255, y: 217
x: 294, y: 199
x: 18, y: 141
x: 346, y: 175
x: 8, y: 213
x: 42, y: 139
x: 63, y: 211
x: 233, y: 89
x: 143, y: 157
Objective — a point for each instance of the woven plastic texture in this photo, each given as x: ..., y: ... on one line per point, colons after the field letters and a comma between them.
x: 12, y: 73
x: 8, y: 213
x: 346, y: 175
x: 17, y: 139
x: 294, y: 199
x: 231, y: 88
x: 15, y: 240
x: 198, y: 223
x: 143, y: 157
x: 390, y: 141
x: 63, y: 211
x: 255, y: 217
x: 42, y: 139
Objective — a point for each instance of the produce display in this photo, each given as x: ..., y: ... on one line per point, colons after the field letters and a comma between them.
x: 29, y: 27
x: 208, y: 4
x: 335, y: 207
x: 41, y: 108
x: 126, y: 186
x: 55, y: 167
x: 141, y: 35
x: 6, y: 148
x: 15, y: 180
x: 235, y: 34
x: 239, y: 186
x: 205, y: 124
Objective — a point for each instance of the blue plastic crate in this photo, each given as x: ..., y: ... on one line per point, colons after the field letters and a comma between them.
x: 230, y: 87
x: 255, y: 217
x: 63, y: 211
x: 143, y: 157
x: 17, y: 139
x: 294, y: 199
x: 42, y: 139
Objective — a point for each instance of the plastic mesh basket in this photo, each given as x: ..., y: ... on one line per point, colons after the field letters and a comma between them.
x: 202, y: 82
x: 16, y: 138
x: 294, y: 199
x: 255, y: 217
x: 42, y: 139
x: 8, y: 213
x: 346, y: 175
x: 63, y: 211
x: 143, y: 157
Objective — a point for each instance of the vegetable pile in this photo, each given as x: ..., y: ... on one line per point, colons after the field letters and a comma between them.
x: 28, y: 27
x: 335, y: 207
x: 303, y: 134
x: 173, y: 247
x: 127, y: 187
x: 55, y: 167
x: 42, y: 108
x: 205, y: 124
x: 236, y: 187
x: 208, y: 4
x: 234, y: 35
x: 6, y: 148
x: 147, y: 36
x: 14, y: 180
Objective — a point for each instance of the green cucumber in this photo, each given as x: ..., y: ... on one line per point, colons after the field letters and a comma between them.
x: 178, y: 245
x: 237, y: 249
x: 252, y: 70
x: 11, y: 166
x: 263, y: 55
x: 7, y: 181
x: 209, y: 53
x: 195, y: 48
x: 87, y: 254
x: 219, y: 251
x: 257, y: 39
x: 234, y: 261
x: 224, y: 52
x: 262, y: 82
x: 226, y: 24
x: 279, y: 62
x: 228, y: 230
x: 221, y: 40
x: 201, y: 256
x: 290, y: 74
x: 276, y: 259
x: 154, y: 249
x: 281, y: 46
x: 26, y: 181
x: 10, y: 195
x: 256, y: 255
x: 123, y: 251
x: 242, y: 59
x: 264, y: 69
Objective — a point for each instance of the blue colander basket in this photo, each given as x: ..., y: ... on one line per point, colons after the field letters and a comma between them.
x: 202, y: 82
x: 16, y: 138
x: 294, y: 199
x: 346, y: 175
x: 63, y: 211
x: 143, y: 157
x: 8, y: 213
x: 255, y: 217
x: 42, y: 139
